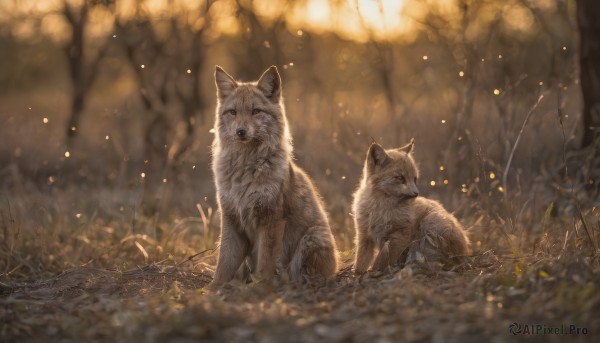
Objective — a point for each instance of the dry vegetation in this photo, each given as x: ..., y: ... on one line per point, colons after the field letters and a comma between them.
x: 553, y: 282
x: 92, y: 251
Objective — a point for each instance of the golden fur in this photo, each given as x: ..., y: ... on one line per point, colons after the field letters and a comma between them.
x: 390, y: 217
x: 271, y: 213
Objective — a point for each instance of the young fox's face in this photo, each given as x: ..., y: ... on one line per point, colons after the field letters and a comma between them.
x: 249, y: 112
x: 392, y: 171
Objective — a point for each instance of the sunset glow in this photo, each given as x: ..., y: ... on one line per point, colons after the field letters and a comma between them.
x: 358, y: 20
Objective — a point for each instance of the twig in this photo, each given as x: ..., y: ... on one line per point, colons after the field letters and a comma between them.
x: 514, y: 148
x: 189, y: 258
x: 585, y: 226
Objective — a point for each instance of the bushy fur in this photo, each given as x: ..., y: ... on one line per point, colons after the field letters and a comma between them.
x: 391, y: 218
x: 271, y: 213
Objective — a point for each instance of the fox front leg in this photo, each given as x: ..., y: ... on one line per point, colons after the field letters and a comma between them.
x: 393, y: 252
x: 364, y: 253
x: 270, y: 240
x: 382, y: 261
x: 232, y: 250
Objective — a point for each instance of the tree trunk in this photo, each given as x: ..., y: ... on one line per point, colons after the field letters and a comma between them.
x: 588, y: 12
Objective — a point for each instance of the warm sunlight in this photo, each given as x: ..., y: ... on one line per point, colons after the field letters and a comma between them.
x: 359, y: 20
x: 318, y: 13
x: 382, y: 16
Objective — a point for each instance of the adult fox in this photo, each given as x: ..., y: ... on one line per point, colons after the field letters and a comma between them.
x: 271, y: 213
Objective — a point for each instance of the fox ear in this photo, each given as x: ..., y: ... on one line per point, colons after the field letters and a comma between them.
x: 270, y: 84
x: 225, y: 83
x: 376, y: 156
x: 408, y: 148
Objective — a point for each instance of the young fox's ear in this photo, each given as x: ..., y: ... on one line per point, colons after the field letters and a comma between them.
x: 225, y: 83
x: 408, y: 148
x: 376, y: 156
x: 270, y: 84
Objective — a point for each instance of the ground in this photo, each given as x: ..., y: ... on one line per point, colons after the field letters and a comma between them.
x: 167, y: 301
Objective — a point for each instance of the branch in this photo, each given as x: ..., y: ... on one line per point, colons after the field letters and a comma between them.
x: 514, y: 148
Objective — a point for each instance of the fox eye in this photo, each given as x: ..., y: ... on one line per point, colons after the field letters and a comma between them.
x: 255, y: 111
x: 232, y: 112
x: 401, y: 178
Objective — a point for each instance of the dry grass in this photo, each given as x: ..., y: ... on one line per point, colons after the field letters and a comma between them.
x: 87, y: 278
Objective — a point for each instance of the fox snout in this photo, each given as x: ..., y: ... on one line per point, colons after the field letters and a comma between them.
x: 241, y: 133
x: 413, y: 194
x: 413, y: 191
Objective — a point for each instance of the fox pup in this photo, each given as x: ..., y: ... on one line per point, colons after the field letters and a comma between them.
x: 271, y: 213
x: 390, y: 217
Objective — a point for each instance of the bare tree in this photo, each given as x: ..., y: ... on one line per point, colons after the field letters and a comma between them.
x: 588, y: 12
x: 167, y: 66
x: 262, y: 43
x: 83, y: 68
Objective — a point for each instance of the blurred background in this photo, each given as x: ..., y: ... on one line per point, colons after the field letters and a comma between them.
x: 107, y: 109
